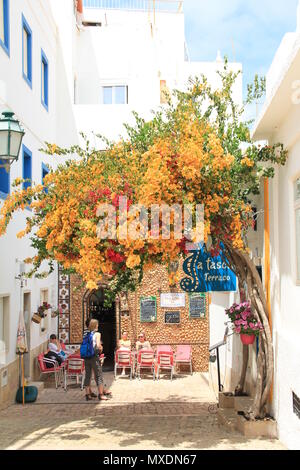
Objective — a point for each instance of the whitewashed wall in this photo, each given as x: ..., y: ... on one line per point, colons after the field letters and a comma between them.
x: 39, y: 126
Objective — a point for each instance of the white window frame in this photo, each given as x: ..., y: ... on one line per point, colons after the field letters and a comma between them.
x: 113, y: 86
x: 296, y: 207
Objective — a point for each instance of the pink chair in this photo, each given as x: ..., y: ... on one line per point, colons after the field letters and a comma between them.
x: 54, y: 369
x: 183, y: 355
x: 163, y: 348
x: 145, y: 360
x: 165, y: 360
x: 74, y: 367
x: 123, y: 360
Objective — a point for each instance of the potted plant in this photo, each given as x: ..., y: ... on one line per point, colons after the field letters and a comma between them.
x: 37, y: 316
x: 245, y: 323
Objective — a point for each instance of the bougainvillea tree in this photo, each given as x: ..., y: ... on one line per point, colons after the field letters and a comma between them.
x: 197, y: 150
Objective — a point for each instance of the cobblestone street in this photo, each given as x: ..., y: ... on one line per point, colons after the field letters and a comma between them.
x: 141, y: 415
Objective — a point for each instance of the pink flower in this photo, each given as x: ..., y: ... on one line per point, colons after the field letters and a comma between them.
x: 238, y: 329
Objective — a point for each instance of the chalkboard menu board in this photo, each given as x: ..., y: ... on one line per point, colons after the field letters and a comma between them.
x: 197, y: 305
x: 148, y: 309
x: 172, y: 318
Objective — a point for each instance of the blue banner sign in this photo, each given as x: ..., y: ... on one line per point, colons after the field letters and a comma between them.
x: 207, y: 273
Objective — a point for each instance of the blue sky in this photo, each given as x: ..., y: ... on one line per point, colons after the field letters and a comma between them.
x: 249, y: 31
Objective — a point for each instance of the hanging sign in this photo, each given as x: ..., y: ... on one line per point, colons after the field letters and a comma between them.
x: 172, y: 300
x: 207, y: 273
x: 197, y: 307
x: 172, y: 318
x: 148, y: 309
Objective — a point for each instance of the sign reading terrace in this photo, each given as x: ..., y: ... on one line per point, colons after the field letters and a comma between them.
x: 148, y: 309
x: 207, y: 273
x: 197, y: 305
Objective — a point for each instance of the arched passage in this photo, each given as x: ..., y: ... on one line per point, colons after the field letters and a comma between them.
x: 93, y: 307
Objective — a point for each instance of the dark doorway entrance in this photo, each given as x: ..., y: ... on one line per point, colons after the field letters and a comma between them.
x: 106, y: 317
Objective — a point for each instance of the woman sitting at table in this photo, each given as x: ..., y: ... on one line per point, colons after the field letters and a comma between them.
x: 142, y: 343
x: 124, y: 343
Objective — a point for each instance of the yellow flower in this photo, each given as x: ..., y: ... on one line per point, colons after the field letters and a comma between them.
x: 133, y: 261
x: 91, y: 285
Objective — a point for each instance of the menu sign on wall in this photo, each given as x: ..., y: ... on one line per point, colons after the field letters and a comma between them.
x: 197, y: 305
x: 172, y: 300
x: 172, y: 318
x: 148, y: 309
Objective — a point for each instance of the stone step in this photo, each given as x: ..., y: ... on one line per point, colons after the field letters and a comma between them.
x: 227, y: 417
x: 242, y: 403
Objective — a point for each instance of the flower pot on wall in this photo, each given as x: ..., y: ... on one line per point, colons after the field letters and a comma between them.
x: 36, y: 318
x: 247, y: 339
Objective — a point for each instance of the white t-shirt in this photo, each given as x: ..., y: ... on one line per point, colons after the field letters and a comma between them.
x: 53, y: 347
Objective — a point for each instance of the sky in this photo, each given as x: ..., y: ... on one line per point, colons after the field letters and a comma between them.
x: 246, y: 31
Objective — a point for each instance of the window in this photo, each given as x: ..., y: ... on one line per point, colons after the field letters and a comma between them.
x: 27, y: 167
x: 4, y: 182
x: 115, y: 94
x: 27, y: 52
x: 4, y: 25
x: 45, y: 81
x: 297, y: 216
x: 44, y: 325
x: 45, y: 171
x: 4, y: 327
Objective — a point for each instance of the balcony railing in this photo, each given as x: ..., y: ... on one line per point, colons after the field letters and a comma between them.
x: 169, y: 6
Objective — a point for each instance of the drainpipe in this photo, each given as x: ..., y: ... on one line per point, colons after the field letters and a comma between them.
x: 267, y: 259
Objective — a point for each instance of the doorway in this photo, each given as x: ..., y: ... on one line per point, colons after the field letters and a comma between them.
x: 106, y: 317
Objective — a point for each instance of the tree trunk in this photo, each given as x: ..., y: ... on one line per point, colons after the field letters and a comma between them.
x: 246, y: 271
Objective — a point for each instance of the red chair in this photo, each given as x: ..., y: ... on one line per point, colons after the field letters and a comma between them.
x: 55, y: 369
x: 145, y: 360
x: 74, y: 367
x: 163, y: 348
x: 165, y: 360
x: 183, y: 355
x: 123, y: 360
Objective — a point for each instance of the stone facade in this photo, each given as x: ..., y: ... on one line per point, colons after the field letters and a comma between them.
x: 190, y: 331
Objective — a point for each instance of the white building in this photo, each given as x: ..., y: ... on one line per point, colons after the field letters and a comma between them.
x: 279, y: 122
x: 63, y: 72
x: 33, y: 85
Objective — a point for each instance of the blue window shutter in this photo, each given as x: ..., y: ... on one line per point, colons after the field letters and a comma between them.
x: 45, y: 80
x: 27, y: 77
x: 6, y: 44
x: 4, y: 182
x: 27, y: 167
x: 45, y: 171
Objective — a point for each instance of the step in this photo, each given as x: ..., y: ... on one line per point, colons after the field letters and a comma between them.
x: 227, y: 417
x: 243, y: 403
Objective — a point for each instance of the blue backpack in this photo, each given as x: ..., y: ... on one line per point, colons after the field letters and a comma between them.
x: 87, y: 349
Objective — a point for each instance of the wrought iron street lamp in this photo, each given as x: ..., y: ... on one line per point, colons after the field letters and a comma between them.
x: 11, y: 135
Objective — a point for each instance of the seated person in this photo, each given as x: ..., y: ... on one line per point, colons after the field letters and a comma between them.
x: 55, y: 346
x: 142, y: 343
x: 54, y: 356
x: 124, y: 343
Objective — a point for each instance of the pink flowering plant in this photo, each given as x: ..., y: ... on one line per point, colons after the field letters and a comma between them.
x: 243, y: 319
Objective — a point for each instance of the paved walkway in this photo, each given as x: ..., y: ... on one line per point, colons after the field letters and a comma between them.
x: 176, y: 415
